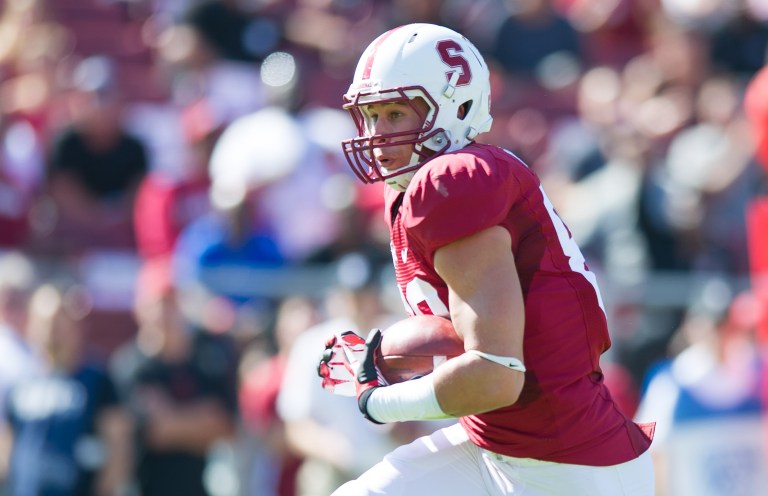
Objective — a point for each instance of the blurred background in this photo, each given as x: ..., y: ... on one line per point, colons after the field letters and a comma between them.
x: 179, y: 230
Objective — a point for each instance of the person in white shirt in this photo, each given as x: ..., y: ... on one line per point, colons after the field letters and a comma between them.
x: 335, y: 440
x: 17, y: 280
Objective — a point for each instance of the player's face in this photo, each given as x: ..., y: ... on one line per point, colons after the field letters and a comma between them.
x: 393, y: 118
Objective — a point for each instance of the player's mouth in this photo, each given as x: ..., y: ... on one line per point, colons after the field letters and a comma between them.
x: 383, y: 160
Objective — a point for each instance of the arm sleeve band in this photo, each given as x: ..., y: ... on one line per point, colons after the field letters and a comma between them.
x: 409, y: 400
x: 509, y: 362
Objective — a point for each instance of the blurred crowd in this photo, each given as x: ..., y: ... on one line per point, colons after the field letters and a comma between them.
x: 179, y: 231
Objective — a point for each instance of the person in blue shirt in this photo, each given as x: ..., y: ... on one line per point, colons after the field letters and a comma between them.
x: 67, y: 434
x: 708, y: 401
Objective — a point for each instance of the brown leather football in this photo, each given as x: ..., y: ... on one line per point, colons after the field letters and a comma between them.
x: 415, y: 346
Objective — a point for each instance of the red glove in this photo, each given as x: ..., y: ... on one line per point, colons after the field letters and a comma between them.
x: 349, y: 362
x: 367, y: 377
x: 336, y: 375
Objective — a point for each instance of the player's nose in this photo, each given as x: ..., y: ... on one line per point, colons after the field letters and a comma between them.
x: 378, y: 129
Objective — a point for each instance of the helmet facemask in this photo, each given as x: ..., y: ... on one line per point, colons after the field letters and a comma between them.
x: 428, y: 141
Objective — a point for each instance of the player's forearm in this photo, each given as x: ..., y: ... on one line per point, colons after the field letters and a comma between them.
x: 410, y: 400
x: 466, y: 385
x: 469, y: 384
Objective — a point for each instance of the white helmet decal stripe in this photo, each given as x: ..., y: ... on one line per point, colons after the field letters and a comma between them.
x: 374, y: 48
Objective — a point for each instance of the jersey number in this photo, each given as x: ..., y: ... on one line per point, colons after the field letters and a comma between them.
x: 571, y: 249
x: 421, y: 298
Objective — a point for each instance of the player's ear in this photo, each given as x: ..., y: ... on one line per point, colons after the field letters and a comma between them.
x: 463, y: 109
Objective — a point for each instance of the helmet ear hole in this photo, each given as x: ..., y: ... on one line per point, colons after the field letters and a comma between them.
x: 463, y: 110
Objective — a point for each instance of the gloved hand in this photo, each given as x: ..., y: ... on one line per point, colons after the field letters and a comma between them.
x: 368, y: 378
x: 347, y: 366
x: 336, y: 374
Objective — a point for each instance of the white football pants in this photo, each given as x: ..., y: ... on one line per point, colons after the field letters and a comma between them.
x: 447, y: 463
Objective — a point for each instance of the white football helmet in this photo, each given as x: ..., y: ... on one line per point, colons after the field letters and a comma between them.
x: 425, y: 61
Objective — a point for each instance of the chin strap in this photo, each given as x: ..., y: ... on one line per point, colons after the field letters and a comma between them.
x: 509, y: 362
x: 400, y: 183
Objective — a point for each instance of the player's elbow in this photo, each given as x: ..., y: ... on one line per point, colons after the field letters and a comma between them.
x: 469, y: 384
x: 501, y: 391
x: 509, y: 386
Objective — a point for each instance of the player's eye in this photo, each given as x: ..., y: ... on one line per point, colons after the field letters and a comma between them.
x: 369, y: 113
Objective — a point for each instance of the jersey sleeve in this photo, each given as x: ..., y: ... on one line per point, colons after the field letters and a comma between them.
x: 457, y: 197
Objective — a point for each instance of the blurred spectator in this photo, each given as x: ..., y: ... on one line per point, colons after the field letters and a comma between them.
x: 709, y: 177
x: 428, y: 11
x: 302, y: 204
x: 532, y: 32
x: 356, y: 235
x: 20, y: 177
x: 680, y: 53
x: 180, y: 385
x: 534, y: 55
x: 95, y: 165
x: 20, y: 360
x: 595, y: 169
x: 611, y: 31
x: 739, y: 46
x: 756, y: 109
x: 213, y: 248
x: 167, y: 202
x: 27, y: 99
x: 68, y: 434
x: 703, y: 15
x: 707, y: 401
x: 211, y: 52
x: 336, y: 443
x: 623, y: 387
x: 272, y: 469
x: 232, y: 31
x: 247, y: 227
x: 308, y: 204
x: 22, y: 18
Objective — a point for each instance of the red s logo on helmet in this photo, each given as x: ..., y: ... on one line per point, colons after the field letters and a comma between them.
x: 449, y: 51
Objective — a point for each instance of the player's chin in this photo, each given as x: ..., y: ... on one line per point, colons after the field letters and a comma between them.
x: 390, y: 166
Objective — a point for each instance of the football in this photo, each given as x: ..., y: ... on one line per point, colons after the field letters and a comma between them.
x: 415, y: 346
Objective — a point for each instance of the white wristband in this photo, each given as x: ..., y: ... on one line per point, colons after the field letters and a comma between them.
x: 409, y: 400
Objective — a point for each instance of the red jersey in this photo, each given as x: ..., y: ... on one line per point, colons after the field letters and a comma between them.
x: 565, y: 412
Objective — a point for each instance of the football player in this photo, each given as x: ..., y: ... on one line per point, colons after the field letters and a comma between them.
x: 475, y: 238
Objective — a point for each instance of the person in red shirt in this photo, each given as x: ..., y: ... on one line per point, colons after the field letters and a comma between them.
x: 475, y: 239
x: 168, y: 201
